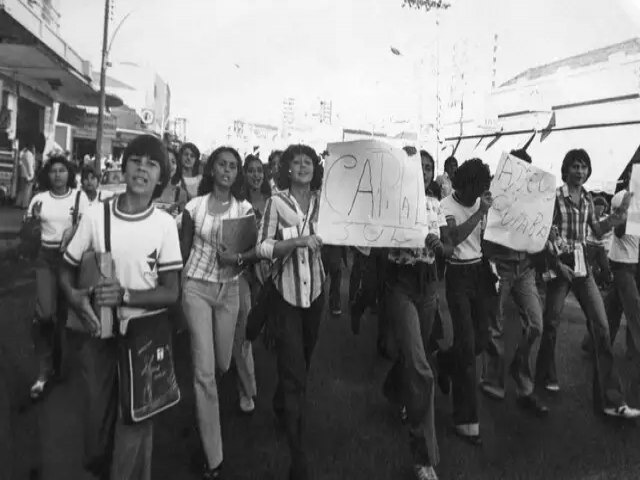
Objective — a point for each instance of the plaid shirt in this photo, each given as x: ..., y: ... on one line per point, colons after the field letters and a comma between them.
x: 302, y: 278
x: 573, y: 221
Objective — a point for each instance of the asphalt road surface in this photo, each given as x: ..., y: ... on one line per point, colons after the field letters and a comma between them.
x: 352, y: 432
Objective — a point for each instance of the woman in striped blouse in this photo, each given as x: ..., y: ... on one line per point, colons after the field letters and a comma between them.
x: 288, y: 237
x: 211, y: 292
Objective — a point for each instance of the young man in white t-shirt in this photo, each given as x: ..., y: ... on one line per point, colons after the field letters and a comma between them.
x: 465, y: 278
x: 624, y: 297
x: 146, y: 254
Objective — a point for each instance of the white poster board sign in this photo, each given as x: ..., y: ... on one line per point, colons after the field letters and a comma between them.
x: 523, y: 202
x: 633, y: 214
x: 372, y: 196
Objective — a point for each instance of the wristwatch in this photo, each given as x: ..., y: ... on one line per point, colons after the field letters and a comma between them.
x: 126, y: 297
x: 240, y: 260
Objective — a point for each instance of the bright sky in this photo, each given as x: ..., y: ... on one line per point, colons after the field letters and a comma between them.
x: 333, y: 49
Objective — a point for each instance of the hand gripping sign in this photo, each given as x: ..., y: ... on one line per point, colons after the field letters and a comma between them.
x: 523, y: 202
x: 372, y: 196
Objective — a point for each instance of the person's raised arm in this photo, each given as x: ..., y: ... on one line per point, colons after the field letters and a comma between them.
x: 458, y: 233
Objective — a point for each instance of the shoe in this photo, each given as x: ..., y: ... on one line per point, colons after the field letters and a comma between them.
x: 494, y: 393
x: 425, y: 472
x: 552, y: 387
x: 247, y: 405
x: 475, y: 440
x: 336, y: 312
x: 404, y: 416
x: 623, y: 411
x: 213, y: 473
x: 39, y: 388
x: 533, y: 404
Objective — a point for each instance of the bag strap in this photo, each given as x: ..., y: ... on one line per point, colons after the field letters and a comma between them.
x: 176, y: 197
x: 76, y: 208
x: 107, y: 225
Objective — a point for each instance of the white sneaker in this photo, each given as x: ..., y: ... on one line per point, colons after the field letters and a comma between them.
x: 247, y: 404
x: 623, y: 411
x: 425, y: 472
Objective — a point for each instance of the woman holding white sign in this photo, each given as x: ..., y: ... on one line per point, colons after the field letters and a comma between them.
x: 288, y: 237
x: 211, y: 291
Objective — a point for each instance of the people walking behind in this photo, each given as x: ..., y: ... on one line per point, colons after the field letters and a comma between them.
x: 274, y: 166
x: 211, y: 291
x: 465, y: 279
x: 288, y: 237
x: 446, y: 179
x: 517, y: 279
x: 26, y: 177
x: 58, y: 208
x: 412, y: 284
x: 89, y: 181
x: 175, y: 193
x: 624, y: 296
x: 573, y: 214
x: 189, y: 173
x: 598, y: 248
x: 146, y: 279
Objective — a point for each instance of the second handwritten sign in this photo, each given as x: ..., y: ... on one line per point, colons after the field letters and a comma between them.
x: 523, y: 202
x: 372, y: 196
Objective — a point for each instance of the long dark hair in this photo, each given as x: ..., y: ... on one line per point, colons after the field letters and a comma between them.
x: 196, y: 165
x: 175, y: 179
x: 208, y: 181
x: 265, y: 188
x: 433, y: 189
x: 284, y: 180
x: 45, y: 181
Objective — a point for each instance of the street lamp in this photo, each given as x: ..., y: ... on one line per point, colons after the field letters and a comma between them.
x: 104, y: 63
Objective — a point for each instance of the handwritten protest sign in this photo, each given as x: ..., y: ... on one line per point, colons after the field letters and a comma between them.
x: 633, y: 214
x: 523, y: 202
x: 372, y: 196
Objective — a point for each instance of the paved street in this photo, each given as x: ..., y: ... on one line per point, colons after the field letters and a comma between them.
x: 353, y: 433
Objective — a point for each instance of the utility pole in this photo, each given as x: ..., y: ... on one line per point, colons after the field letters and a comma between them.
x: 103, y: 82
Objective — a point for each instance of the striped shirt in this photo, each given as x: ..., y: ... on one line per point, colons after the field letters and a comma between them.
x: 573, y: 221
x: 203, y: 263
x: 302, y: 278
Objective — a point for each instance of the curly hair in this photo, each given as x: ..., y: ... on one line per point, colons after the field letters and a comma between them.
x: 148, y: 145
x: 265, y: 188
x: 208, y: 178
x: 473, y: 174
x: 284, y: 181
x: 575, y: 155
x: 45, y: 181
x: 196, y: 165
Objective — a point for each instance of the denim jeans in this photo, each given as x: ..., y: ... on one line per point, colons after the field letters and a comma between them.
x: 624, y: 298
x: 211, y: 310
x: 517, y: 280
x: 607, y: 388
x: 51, y: 312
x: 411, y: 309
x: 242, y: 349
x: 110, y: 445
x: 296, y: 333
x: 467, y: 299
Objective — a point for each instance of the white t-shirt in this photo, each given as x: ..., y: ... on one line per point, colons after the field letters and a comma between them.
x: 142, y: 246
x: 101, y: 195
x: 471, y: 247
x: 623, y: 249
x: 56, y: 214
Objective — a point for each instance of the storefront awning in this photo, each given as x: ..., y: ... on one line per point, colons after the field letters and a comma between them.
x: 32, y: 53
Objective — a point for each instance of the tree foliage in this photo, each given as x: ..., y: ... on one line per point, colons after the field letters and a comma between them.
x: 426, y: 4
